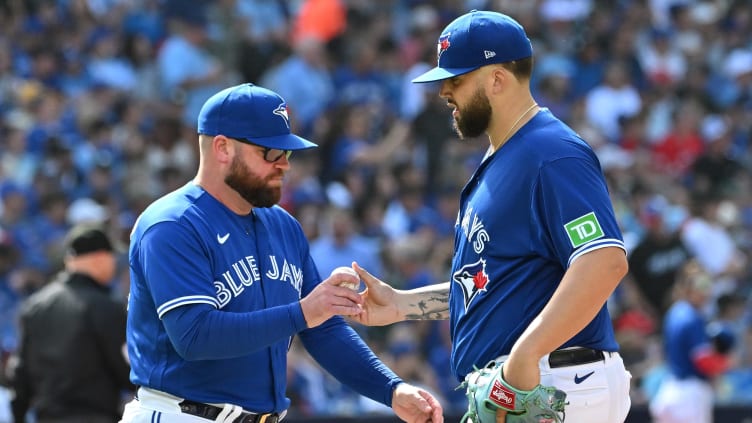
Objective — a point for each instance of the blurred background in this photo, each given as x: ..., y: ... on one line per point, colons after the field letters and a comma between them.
x: 99, y: 98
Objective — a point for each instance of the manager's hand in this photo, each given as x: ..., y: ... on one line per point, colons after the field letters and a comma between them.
x: 330, y: 299
x: 416, y: 405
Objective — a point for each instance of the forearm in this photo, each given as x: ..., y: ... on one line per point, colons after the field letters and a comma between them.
x: 384, y: 305
x: 582, y: 292
x: 202, y: 333
x: 339, y: 350
x: 425, y: 303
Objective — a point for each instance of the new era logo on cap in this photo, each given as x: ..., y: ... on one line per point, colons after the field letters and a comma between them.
x: 476, y: 39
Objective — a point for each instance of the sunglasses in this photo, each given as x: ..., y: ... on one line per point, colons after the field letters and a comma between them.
x: 271, y: 155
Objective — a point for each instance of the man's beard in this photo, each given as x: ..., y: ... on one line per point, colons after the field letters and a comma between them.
x: 251, y: 187
x: 474, y: 118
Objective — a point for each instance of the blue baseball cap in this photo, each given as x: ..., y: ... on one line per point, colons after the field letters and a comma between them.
x: 477, y: 39
x: 250, y: 113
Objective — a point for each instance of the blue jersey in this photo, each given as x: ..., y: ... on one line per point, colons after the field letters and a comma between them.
x: 529, y: 210
x: 214, y: 303
x: 684, y: 335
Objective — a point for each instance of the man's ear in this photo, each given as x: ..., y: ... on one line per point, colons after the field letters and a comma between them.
x: 223, y: 148
x: 500, y: 77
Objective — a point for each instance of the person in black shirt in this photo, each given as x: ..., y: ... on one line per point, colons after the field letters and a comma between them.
x: 657, y: 258
x: 70, y: 365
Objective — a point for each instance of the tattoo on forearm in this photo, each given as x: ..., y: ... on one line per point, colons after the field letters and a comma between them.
x: 430, y: 306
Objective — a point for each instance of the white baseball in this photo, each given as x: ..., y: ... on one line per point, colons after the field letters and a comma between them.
x: 344, y: 269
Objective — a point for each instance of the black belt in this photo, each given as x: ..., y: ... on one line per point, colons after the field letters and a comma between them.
x: 211, y: 412
x: 575, y: 356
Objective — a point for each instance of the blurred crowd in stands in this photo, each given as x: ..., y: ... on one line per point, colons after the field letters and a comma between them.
x: 99, y: 99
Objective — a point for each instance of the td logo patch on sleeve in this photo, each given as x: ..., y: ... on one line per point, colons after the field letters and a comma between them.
x: 583, y: 229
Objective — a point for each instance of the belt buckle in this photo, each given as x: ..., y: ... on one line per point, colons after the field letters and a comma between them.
x: 269, y: 418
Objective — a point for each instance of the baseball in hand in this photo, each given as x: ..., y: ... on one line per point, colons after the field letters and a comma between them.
x: 344, y: 269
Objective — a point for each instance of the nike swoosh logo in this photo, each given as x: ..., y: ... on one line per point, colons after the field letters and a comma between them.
x: 578, y: 380
x: 222, y: 239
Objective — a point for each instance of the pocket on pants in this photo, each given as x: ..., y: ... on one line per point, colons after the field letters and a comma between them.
x: 587, y: 392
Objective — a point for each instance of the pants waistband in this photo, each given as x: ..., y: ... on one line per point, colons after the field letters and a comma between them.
x: 575, y: 356
x: 572, y: 356
x: 224, y: 413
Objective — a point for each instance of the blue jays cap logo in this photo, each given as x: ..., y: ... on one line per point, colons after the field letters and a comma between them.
x: 281, y: 111
x: 443, y: 44
x: 472, y: 279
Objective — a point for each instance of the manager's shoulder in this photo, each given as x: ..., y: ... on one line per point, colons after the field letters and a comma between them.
x: 172, y: 207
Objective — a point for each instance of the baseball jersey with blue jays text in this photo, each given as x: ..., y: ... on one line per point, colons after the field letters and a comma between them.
x: 529, y: 210
x: 191, y: 258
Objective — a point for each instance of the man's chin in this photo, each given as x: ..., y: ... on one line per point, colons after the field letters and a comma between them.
x: 467, y: 133
x: 267, y: 199
x: 269, y: 202
x: 457, y: 130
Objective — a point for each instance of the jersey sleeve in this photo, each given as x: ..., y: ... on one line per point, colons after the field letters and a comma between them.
x: 572, y: 204
x: 340, y: 350
x: 342, y: 353
x: 198, y: 332
x: 174, y: 266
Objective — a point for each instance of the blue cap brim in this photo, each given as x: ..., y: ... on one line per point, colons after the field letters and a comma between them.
x: 284, y: 142
x: 438, y: 74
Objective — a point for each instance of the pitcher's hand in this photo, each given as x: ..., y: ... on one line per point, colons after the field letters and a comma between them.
x: 380, y: 301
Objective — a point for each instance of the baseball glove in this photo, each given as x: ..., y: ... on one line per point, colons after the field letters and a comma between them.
x: 487, y: 391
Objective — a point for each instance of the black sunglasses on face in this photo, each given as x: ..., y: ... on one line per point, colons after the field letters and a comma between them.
x: 271, y: 155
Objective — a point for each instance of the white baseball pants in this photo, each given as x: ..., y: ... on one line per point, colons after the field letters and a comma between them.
x: 596, y: 392
x: 154, y: 406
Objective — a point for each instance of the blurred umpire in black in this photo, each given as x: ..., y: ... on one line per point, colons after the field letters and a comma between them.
x: 71, y: 365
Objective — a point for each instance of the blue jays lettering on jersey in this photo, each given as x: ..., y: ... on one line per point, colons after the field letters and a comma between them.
x: 243, y: 273
x: 191, y: 254
x: 543, y: 196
